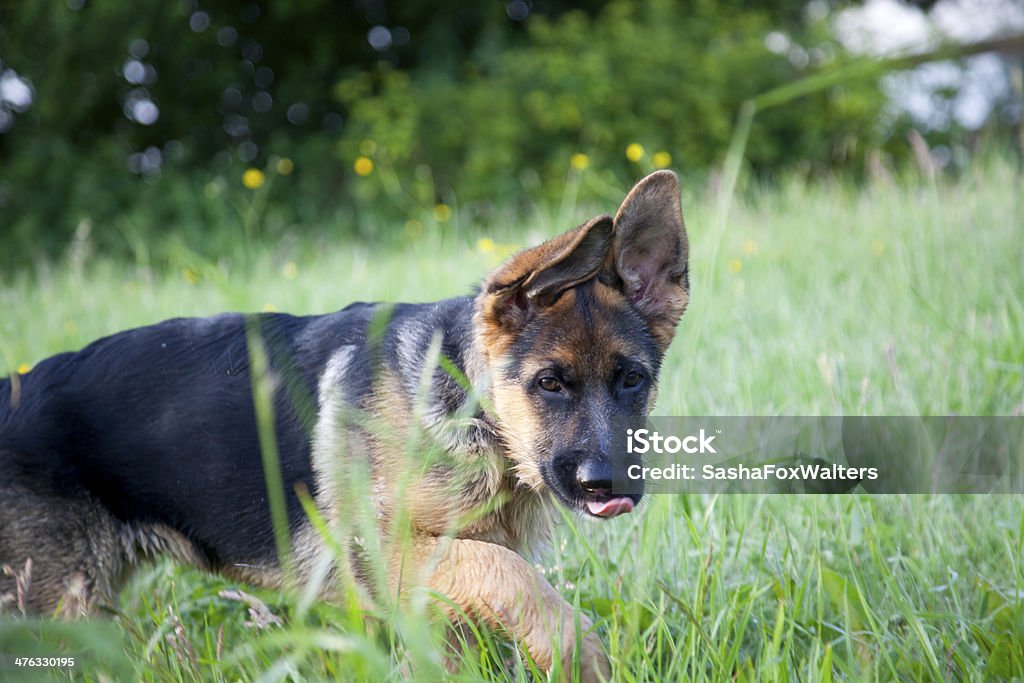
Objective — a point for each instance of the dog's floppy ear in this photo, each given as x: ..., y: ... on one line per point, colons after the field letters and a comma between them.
x: 648, y: 259
x: 535, y: 278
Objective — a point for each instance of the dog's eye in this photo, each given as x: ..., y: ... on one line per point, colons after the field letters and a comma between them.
x: 632, y: 379
x: 550, y: 384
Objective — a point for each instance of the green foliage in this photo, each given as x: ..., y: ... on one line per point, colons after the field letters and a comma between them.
x: 667, y: 76
x: 475, y: 110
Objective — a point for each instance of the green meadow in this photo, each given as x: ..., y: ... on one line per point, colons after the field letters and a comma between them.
x: 900, y: 296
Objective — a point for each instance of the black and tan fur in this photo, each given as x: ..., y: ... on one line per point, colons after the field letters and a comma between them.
x: 145, y: 443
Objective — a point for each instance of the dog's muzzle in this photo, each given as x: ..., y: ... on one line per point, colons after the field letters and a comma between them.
x: 594, y: 476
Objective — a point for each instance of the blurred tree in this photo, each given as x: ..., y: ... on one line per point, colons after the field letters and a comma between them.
x: 137, y: 107
x: 667, y: 76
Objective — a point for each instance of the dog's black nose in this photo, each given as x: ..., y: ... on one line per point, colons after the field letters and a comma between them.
x: 595, y: 476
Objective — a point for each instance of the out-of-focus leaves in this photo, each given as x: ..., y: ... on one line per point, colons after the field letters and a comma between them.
x: 143, y: 114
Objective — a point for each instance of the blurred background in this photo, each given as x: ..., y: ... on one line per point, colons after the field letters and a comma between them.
x: 188, y: 123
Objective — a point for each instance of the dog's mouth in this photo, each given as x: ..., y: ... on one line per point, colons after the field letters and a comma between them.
x: 596, y: 503
x: 609, y: 506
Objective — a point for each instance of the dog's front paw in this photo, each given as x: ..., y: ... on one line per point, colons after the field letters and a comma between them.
x: 594, y: 664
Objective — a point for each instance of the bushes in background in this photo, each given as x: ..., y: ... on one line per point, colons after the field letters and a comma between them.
x: 454, y: 103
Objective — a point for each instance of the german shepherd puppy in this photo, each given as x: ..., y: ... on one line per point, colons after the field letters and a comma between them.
x: 146, y: 442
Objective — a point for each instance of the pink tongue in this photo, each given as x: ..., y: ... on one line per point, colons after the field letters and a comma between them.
x: 611, y: 507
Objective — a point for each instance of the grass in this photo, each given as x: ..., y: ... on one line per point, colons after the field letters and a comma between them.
x: 904, y: 297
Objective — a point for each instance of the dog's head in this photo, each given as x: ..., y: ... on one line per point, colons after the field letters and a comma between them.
x: 573, y: 332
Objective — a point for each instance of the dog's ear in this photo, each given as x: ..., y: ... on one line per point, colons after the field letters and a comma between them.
x: 535, y: 278
x: 648, y: 258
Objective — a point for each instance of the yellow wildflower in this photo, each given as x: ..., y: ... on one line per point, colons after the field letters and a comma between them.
x: 269, y: 308
x: 24, y: 369
x: 735, y: 265
x: 485, y: 245
x: 442, y: 212
x: 634, y: 152
x: 579, y: 161
x: 253, y: 178
x: 661, y: 159
x: 363, y: 166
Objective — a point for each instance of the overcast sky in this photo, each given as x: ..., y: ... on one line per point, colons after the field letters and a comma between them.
x: 892, y: 27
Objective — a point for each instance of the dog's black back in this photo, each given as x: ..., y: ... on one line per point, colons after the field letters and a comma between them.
x: 155, y: 422
x: 158, y: 423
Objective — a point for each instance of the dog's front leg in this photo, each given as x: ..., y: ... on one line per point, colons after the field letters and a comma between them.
x: 496, y: 586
